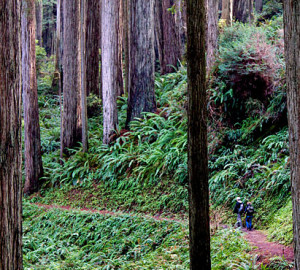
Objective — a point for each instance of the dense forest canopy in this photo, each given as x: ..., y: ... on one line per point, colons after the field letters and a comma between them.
x: 128, y: 129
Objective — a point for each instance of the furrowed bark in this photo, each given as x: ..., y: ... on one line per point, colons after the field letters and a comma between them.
x: 10, y: 137
x: 33, y: 155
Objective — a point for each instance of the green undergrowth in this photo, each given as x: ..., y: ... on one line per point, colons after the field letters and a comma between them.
x: 59, y: 239
x: 163, y: 199
x: 281, y: 225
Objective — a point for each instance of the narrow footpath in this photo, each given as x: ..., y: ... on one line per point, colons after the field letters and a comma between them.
x: 266, y: 249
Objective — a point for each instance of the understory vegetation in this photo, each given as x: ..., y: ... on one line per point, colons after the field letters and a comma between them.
x: 144, y: 169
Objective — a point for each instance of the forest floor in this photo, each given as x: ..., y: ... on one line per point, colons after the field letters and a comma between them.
x: 263, y: 249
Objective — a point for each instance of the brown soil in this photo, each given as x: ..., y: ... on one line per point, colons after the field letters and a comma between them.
x: 105, y: 212
x: 265, y: 249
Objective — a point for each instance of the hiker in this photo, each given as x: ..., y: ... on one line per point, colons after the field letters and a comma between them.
x: 239, y: 210
x: 249, y: 215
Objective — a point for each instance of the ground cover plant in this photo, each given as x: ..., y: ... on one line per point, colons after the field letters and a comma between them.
x: 60, y: 239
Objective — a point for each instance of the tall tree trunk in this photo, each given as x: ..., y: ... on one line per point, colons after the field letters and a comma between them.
x: 71, y: 123
x: 39, y: 21
x: 10, y: 137
x: 126, y: 43
x: 292, y: 54
x: 212, y: 32
x: 180, y: 21
x: 167, y: 36
x: 92, y: 47
x: 227, y: 6
x: 83, y: 75
x: 141, y: 96
x: 171, y: 38
x: 110, y: 59
x: 197, y: 138
x: 258, y: 6
x: 33, y: 156
x: 242, y: 10
x: 120, y: 50
x: 159, y: 38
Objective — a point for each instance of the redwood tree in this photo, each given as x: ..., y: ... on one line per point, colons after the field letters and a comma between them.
x: 10, y: 137
x: 110, y: 59
x: 71, y: 122
x: 227, y: 6
x: 197, y: 138
x: 211, y: 32
x: 39, y: 20
x: 167, y: 35
x: 92, y: 46
x: 242, y: 10
x: 141, y: 96
x: 33, y: 156
x: 292, y: 53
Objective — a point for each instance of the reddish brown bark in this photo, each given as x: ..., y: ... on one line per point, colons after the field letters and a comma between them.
x: 33, y: 156
x: 92, y: 47
x: 10, y: 137
x: 292, y: 54
x: 71, y: 123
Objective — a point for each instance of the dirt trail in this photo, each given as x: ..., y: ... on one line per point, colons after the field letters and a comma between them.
x: 111, y: 213
x: 266, y: 249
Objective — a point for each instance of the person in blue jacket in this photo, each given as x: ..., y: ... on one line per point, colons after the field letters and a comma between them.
x: 249, y: 216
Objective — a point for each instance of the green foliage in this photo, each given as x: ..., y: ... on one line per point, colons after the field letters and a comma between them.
x: 248, y: 72
x: 281, y: 225
x: 57, y: 239
x: 45, y: 70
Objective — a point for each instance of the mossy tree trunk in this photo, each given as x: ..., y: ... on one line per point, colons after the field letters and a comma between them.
x: 33, y: 155
x: 197, y: 137
x: 39, y: 21
x: 10, y: 137
x: 292, y: 53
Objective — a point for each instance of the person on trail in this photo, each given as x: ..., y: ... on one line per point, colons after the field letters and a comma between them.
x: 239, y: 210
x: 249, y: 215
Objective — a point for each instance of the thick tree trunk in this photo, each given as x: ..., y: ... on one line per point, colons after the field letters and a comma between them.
x: 171, y: 39
x: 120, y: 50
x: 39, y: 21
x: 10, y: 137
x: 126, y: 43
x: 197, y: 138
x: 167, y: 35
x: 83, y: 75
x: 292, y: 53
x: 33, y: 156
x: 71, y: 124
x: 141, y: 96
x: 227, y: 6
x: 110, y: 60
x: 92, y: 47
x: 242, y: 10
x: 212, y: 32
x: 258, y: 6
